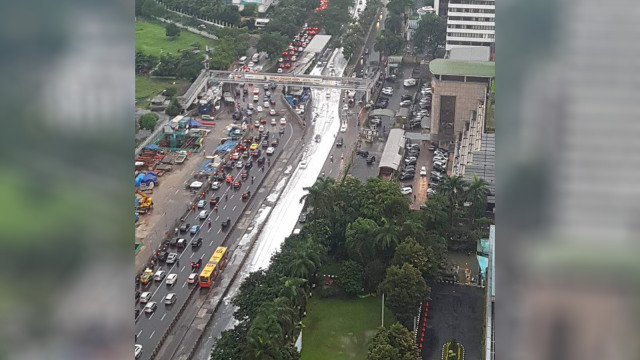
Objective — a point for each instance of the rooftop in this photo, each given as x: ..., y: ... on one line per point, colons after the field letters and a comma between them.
x: 470, y: 53
x: 391, y: 156
x: 484, y: 165
x: 463, y: 68
x: 318, y: 43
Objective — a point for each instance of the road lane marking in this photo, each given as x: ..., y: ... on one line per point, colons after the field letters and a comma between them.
x: 152, y: 334
x: 224, y: 207
x: 217, y: 217
x: 163, y: 315
x: 192, y: 254
x: 209, y: 230
x: 181, y: 270
x: 211, y: 243
x: 150, y: 316
x: 140, y: 332
x: 219, y: 231
x: 234, y: 208
x: 201, y: 256
x: 185, y: 284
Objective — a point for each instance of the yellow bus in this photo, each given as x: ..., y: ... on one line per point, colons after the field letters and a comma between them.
x: 216, y: 264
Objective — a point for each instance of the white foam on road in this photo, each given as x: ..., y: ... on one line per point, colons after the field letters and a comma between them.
x: 284, y: 216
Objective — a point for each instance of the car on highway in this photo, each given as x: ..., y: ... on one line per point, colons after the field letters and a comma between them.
x: 201, y: 204
x: 159, y: 275
x: 171, y: 279
x: 256, y: 90
x: 270, y: 150
x: 192, y: 278
x: 145, y: 297
x: 266, y: 104
x: 264, y: 144
x: 215, y: 185
x: 181, y: 243
x: 343, y: 128
x: 274, y: 142
x: 261, y: 128
x: 256, y: 98
x: 303, y: 218
x: 273, y: 122
x: 194, y: 229
x: 272, y: 111
x: 138, y: 350
x: 259, y: 108
x: 150, y: 307
x: 317, y: 138
x: 202, y: 215
x: 171, y: 258
x: 406, y: 191
x: 253, y: 146
x: 239, y: 164
x: 170, y: 299
x: 196, y: 243
x: 423, y: 171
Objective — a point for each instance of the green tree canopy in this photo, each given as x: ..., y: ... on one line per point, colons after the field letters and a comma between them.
x: 174, y: 108
x: 395, y: 343
x: 350, y: 277
x: 405, y: 289
x: 148, y: 121
x: 431, y: 32
x: 273, y: 43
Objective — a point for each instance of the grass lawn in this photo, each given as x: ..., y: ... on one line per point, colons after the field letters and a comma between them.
x: 151, y: 38
x: 148, y: 88
x: 340, y: 329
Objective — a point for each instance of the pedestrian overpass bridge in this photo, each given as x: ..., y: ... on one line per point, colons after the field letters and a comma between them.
x: 310, y: 81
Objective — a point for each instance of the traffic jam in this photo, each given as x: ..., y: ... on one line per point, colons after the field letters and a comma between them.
x: 295, y: 49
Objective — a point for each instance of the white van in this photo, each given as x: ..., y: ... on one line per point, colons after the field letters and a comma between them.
x: 243, y: 60
x: 410, y: 82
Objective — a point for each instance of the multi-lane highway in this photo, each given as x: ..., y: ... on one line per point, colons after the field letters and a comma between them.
x: 151, y: 327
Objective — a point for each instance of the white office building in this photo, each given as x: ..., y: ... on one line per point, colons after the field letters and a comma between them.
x: 470, y: 22
x: 263, y: 5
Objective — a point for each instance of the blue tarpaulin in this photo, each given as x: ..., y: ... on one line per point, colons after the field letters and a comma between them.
x: 139, y: 179
x: 483, y: 263
x: 194, y: 123
x: 150, y: 177
x: 152, y: 147
x: 206, y: 167
x: 228, y: 145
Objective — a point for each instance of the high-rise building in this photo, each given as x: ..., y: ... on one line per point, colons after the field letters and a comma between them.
x: 469, y: 22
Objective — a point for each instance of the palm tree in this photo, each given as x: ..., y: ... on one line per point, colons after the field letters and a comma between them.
x: 453, y: 188
x: 264, y: 337
x: 412, y: 228
x: 294, y: 289
x: 387, y: 236
x: 476, y: 194
x: 305, y: 262
x: 320, y: 195
x: 286, y: 315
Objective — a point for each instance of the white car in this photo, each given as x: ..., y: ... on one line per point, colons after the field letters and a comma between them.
x: 150, y: 307
x: 343, y: 128
x: 202, y: 203
x: 273, y: 121
x: 145, y: 297
x: 215, y: 185
x: 239, y: 164
x: 405, y: 103
x: 251, y: 64
x: 270, y: 150
x: 138, y: 350
x: 272, y: 111
x: 159, y: 275
x: 259, y: 108
x: 283, y: 121
x: 256, y: 91
x: 170, y: 299
x: 266, y: 104
x: 171, y: 279
x: 423, y: 171
x: 279, y: 70
x: 193, y: 277
x: 261, y: 128
x: 256, y: 98
x: 410, y: 82
x: 203, y: 214
x: 406, y: 191
x: 430, y: 191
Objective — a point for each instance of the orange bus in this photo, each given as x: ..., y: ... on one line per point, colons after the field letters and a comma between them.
x: 216, y: 264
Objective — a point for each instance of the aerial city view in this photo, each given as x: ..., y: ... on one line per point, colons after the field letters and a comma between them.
x: 315, y: 179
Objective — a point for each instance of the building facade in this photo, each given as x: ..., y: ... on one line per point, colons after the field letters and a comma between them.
x: 469, y: 22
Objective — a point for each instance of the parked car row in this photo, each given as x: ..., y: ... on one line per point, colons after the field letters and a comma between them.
x: 440, y: 159
x: 412, y: 151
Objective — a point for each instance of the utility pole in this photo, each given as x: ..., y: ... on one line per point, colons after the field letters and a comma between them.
x: 383, y: 309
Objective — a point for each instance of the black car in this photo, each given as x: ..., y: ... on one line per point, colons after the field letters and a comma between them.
x: 162, y: 256
x: 173, y: 242
x: 265, y: 144
x: 196, y: 265
x: 248, y: 165
x: 339, y: 142
x: 371, y: 160
x: 256, y: 153
x: 407, y: 176
x: 406, y: 97
x: 303, y: 218
x: 184, y: 227
x: 362, y: 153
x: 281, y: 132
x: 245, y: 91
x: 261, y: 161
x: 196, y: 243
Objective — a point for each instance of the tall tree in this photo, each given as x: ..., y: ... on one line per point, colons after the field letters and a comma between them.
x: 350, y: 277
x: 476, y: 194
x: 319, y: 196
x: 231, y: 343
x: 305, y: 262
x: 453, y: 188
x: 264, y: 338
x: 393, y: 23
x: 273, y: 43
x: 394, y: 343
x: 360, y: 240
x: 420, y: 257
x: 431, y: 33
x: 404, y: 288
x: 387, y: 236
